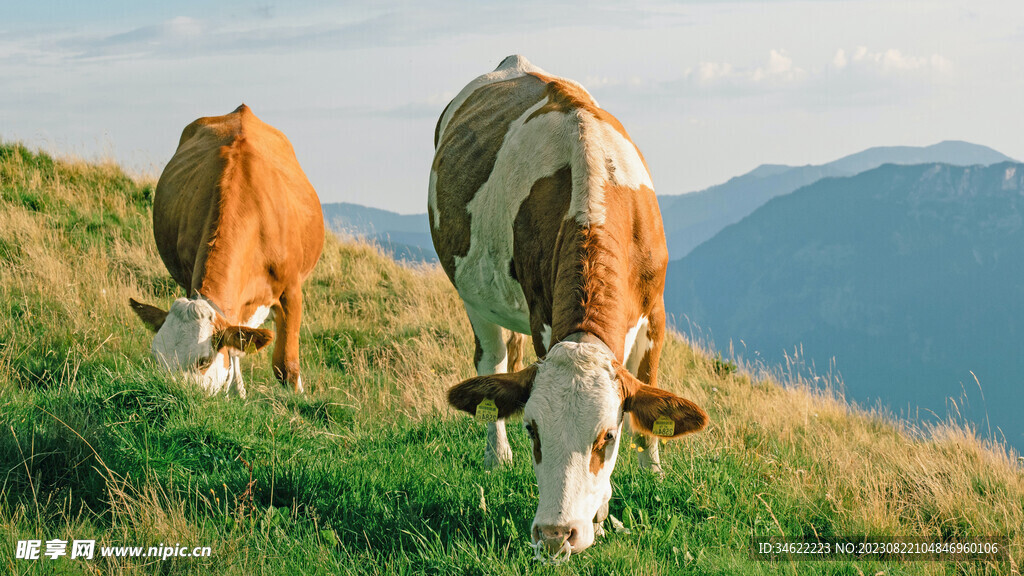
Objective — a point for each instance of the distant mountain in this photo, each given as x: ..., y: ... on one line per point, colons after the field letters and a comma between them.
x: 693, y: 218
x: 406, y: 236
x: 910, y: 277
x: 690, y: 219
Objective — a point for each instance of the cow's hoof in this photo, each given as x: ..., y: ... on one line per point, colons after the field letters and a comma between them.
x: 291, y: 379
x: 502, y: 458
x: 655, y: 469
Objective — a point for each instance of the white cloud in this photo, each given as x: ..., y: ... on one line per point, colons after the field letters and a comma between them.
x: 890, y: 62
x: 839, y: 61
x: 859, y: 75
x: 777, y: 71
x: 710, y: 72
x: 780, y: 68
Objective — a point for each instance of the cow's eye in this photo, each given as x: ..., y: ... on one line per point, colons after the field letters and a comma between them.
x: 529, y: 430
x: 609, y: 437
x: 203, y: 363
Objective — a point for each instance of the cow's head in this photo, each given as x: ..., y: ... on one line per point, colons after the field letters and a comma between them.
x: 573, y: 402
x: 194, y: 339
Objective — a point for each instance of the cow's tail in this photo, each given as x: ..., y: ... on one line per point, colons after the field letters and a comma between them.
x: 516, y: 347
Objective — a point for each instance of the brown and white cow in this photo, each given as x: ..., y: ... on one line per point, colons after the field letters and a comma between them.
x: 240, y: 227
x: 544, y: 217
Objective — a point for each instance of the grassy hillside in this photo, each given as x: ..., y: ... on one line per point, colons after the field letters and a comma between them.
x: 370, y: 473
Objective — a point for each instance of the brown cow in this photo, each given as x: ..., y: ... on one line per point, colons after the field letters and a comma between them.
x: 544, y: 217
x: 240, y: 227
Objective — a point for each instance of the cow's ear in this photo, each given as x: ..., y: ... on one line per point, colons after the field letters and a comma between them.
x: 242, y: 338
x: 658, y: 412
x: 151, y: 316
x: 508, y: 391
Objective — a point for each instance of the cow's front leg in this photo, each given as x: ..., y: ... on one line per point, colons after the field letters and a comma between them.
x: 599, y: 518
x: 647, y: 446
x: 287, y: 318
x: 491, y: 357
x: 498, y: 451
x: 237, y: 384
x: 642, y: 361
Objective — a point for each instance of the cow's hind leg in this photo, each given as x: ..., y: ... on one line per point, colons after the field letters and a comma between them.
x: 492, y: 357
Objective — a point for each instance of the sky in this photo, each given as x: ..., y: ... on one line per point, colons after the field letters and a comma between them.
x: 707, y: 89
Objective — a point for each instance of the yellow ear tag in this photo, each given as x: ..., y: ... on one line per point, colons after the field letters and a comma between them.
x: 250, y: 348
x: 664, y: 426
x: 486, y: 411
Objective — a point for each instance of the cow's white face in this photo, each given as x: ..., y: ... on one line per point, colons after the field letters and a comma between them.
x: 185, y: 343
x: 573, y: 402
x: 574, y: 419
x: 191, y: 339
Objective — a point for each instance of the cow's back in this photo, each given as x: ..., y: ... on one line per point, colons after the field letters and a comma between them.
x: 235, y: 180
x: 523, y: 160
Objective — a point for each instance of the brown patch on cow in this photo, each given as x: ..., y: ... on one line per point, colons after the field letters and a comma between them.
x: 645, y: 404
x: 590, y: 286
x: 535, y: 437
x: 509, y: 391
x: 478, y: 352
x: 242, y: 338
x: 515, y: 348
x: 619, y: 274
x: 536, y: 229
x: 598, y: 452
x: 465, y: 157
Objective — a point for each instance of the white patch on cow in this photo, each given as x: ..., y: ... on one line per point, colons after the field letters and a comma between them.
x: 258, y: 317
x: 575, y: 397
x: 217, y: 377
x: 603, y: 157
x: 545, y: 335
x: 236, y: 384
x: 531, y: 150
x: 432, y: 200
x: 637, y: 344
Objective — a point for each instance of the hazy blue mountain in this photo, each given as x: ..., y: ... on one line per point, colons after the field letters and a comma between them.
x: 693, y: 218
x: 406, y: 236
x: 910, y: 277
x: 689, y: 218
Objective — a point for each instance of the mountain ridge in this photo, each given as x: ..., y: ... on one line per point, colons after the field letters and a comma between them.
x: 690, y: 218
x: 695, y: 217
x: 905, y: 275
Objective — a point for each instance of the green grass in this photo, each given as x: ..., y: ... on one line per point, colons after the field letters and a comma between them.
x: 370, y: 473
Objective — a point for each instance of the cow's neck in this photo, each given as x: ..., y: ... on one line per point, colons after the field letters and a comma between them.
x: 221, y: 270
x: 591, y: 292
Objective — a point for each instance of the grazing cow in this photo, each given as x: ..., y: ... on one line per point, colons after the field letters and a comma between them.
x: 238, y: 226
x: 544, y: 218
